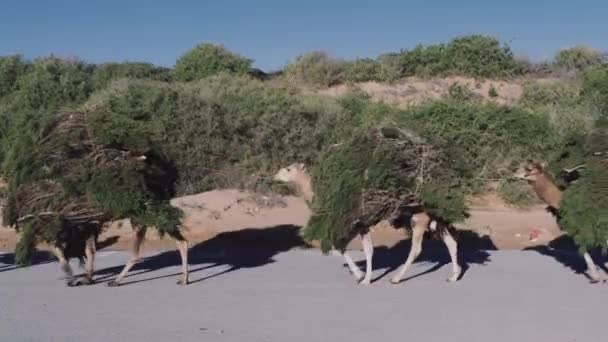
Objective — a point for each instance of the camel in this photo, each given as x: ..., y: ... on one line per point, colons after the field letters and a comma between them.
x: 89, y: 242
x: 421, y: 222
x: 547, y: 190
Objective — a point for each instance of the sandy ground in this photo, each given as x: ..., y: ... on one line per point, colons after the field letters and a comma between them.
x: 414, y: 90
x: 225, y: 211
x: 301, y: 295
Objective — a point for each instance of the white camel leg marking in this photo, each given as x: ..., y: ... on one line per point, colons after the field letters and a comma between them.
x: 453, y: 249
x: 368, y: 249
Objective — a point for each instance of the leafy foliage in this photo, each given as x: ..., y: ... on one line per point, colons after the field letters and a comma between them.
x: 316, y: 69
x: 11, y: 68
x: 378, y: 174
x: 223, y: 131
x: 578, y: 58
x: 207, y: 60
x: 64, y: 183
x: 107, y: 72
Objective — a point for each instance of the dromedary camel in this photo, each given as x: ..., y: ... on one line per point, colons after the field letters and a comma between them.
x: 297, y: 175
x: 71, y: 245
x: 547, y: 190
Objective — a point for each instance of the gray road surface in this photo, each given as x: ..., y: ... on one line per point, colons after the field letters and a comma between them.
x: 304, y: 296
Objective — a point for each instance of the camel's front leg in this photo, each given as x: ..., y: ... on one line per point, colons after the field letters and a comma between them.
x: 352, y: 266
x: 65, y: 266
x: 417, y: 235
x: 89, y: 251
x: 182, y: 246
x: 140, y: 234
x: 453, y: 249
x: 591, y: 269
x: 368, y: 249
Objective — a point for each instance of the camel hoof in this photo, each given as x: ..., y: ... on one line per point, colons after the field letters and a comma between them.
x: 182, y: 282
x: 113, y: 283
x: 395, y: 281
x: 365, y: 282
x: 72, y: 283
x: 84, y: 281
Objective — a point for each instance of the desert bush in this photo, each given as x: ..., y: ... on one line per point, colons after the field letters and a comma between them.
x: 492, y: 92
x: 480, y: 56
x: 595, y: 88
x: 315, y: 69
x: 362, y: 70
x: 578, y: 58
x: 107, y: 72
x: 474, y: 55
x: 460, y: 92
x: 50, y: 84
x: 482, y: 139
x: 209, y: 59
x: 224, y: 131
x: 11, y: 68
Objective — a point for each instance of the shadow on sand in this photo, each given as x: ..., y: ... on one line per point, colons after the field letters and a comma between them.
x: 472, y: 249
x: 247, y: 248
x: 564, y: 250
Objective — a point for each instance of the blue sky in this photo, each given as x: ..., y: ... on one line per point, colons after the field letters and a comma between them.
x: 273, y: 32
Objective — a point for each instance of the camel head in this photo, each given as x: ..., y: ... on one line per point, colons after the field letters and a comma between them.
x: 290, y: 173
x: 530, y: 171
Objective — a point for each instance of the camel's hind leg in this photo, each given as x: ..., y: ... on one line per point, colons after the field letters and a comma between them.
x: 140, y: 234
x: 591, y: 269
x: 182, y: 246
x: 453, y: 249
x: 417, y: 234
x: 65, y: 266
x: 368, y: 249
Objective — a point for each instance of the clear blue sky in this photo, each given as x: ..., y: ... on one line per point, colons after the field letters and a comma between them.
x: 272, y: 32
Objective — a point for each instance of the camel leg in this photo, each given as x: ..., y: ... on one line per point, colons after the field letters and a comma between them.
x: 352, y: 266
x: 89, y: 251
x: 65, y: 266
x: 368, y: 249
x: 591, y: 268
x: 417, y: 235
x: 182, y: 246
x: 140, y: 234
x: 453, y: 249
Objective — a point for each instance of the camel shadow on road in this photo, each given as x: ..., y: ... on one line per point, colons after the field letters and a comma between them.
x: 230, y: 251
x: 564, y: 250
x: 472, y: 249
x: 7, y: 261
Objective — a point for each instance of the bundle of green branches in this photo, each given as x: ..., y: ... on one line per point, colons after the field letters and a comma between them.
x: 379, y: 173
x: 584, y: 206
x: 65, y: 184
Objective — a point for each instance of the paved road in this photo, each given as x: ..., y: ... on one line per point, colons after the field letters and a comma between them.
x: 302, y: 295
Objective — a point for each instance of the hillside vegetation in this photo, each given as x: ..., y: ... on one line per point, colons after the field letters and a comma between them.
x: 222, y: 124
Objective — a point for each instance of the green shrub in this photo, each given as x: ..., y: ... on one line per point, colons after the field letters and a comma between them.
x: 315, y: 69
x: 492, y: 92
x: 481, y: 139
x: 107, y: 72
x: 363, y: 70
x: 460, y: 92
x: 207, y: 60
x: 474, y: 55
x: 11, y: 68
x: 51, y: 84
x: 578, y: 58
x: 480, y: 56
x: 224, y: 131
x: 595, y: 88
